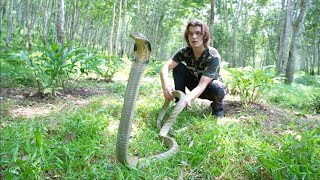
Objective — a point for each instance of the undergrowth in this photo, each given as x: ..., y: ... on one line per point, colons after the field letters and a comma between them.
x: 303, y: 95
x: 78, y: 141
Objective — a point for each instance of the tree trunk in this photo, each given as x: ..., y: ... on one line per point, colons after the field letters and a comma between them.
x: 296, y: 30
x: 73, y: 21
x: 60, y: 22
x: 318, y: 50
x: 227, y: 32
x: 124, y: 26
x: 112, y: 27
x: 9, y: 23
x: 2, y: 8
x: 212, y: 13
x: 118, y: 28
x: 28, y: 21
x: 47, y: 15
x: 236, y: 15
x: 284, y: 36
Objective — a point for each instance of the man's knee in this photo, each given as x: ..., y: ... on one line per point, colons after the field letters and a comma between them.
x: 180, y: 69
x: 217, y: 88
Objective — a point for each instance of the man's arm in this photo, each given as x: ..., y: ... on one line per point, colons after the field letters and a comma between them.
x: 196, y: 92
x: 164, y: 76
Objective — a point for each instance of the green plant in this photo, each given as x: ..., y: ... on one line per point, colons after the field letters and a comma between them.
x: 296, y: 157
x: 153, y: 68
x: 53, y: 66
x: 295, y: 96
x: 14, y: 72
x: 251, y: 83
x: 103, y: 65
x: 316, y: 102
x: 306, y: 79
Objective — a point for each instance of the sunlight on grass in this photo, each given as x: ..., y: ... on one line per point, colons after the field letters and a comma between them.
x: 78, y: 141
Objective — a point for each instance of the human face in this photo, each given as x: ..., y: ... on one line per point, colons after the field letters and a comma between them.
x: 195, y: 37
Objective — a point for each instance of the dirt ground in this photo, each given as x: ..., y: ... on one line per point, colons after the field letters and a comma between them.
x: 26, y: 102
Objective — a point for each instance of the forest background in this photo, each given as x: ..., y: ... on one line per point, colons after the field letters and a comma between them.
x: 64, y: 66
x: 247, y: 33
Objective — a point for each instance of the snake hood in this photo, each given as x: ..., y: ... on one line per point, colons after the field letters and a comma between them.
x: 142, y: 47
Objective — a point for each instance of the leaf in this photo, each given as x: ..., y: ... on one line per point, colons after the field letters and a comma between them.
x: 38, y: 137
x: 55, y: 46
x: 48, y: 91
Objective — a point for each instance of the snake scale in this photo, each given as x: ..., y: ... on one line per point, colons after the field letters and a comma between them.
x: 142, y: 52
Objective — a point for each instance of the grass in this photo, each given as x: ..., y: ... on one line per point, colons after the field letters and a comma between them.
x: 77, y: 140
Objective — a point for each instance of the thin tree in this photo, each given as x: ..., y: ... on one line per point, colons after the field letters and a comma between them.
x: 118, y: 27
x: 112, y: 27
x: 73, y: 21
x: 284, y: 36
x: 124, y: 27
x: 60, y: 22
x: 28, y: 21
x: 9, y: 23
x: 236, y: 16
x: 212, y: 13
x: 2, y: 6
x: 296, y: 27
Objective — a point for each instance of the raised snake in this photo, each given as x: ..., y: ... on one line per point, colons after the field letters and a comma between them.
x: 142, y: 52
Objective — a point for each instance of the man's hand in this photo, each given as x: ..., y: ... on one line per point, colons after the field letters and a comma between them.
x: 187, y: 102
x: 167, y: 93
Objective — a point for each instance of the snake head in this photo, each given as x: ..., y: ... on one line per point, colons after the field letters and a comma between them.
x: 142, y: 47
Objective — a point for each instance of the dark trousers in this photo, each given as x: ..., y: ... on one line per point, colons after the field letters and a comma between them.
x: 214, y: 92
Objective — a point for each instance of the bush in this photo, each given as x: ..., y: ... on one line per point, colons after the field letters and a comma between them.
x: 15, y: 73
x: 250, y: 83
x: 307, y: 80
x: 103, y: 65
x: 154, y: 68
x: 52, y: 66
x: 295, y: 96
x: 316, y: 103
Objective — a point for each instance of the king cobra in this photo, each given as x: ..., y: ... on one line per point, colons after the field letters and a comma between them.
x: 142, y: 52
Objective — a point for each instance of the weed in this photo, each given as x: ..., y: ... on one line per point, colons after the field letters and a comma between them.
x: 78, y: 142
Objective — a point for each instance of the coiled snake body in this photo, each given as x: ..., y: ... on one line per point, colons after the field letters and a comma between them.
x: 142, y: 50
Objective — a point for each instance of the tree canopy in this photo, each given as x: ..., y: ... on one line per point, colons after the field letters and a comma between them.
x: 253, y: 33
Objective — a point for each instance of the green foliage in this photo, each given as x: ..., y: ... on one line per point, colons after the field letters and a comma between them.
x: 56, y: 65
x: 250, y: 83
x: 52, y: 66
x: 153, y: 68
x: 316, y: 103
x: 78, y: 141
x: 14, y: 72
x: 103, y: 65
x: 296, y: 157
x: 295, y: 96
x: 306, y: 79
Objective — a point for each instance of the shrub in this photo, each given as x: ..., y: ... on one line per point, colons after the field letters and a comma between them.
x: 295, y: 96
x: 154, y: 68
x: 250, y: 83
x: 52, y: 66
x: 307, y: 80
x: 103, y: 65
x: 14, y: 72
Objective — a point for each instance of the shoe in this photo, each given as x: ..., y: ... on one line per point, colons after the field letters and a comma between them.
x: 219, y: 114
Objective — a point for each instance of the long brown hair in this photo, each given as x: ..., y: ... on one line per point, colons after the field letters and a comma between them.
x: 204, y: 30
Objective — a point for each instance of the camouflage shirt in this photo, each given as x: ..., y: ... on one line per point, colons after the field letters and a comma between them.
x: 208, y: 64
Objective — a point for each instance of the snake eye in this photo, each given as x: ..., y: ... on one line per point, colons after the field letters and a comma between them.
x: 135, y: 48
x: 148, y: 45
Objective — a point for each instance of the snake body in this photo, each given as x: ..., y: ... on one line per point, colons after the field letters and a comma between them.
x: 142, y: 51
